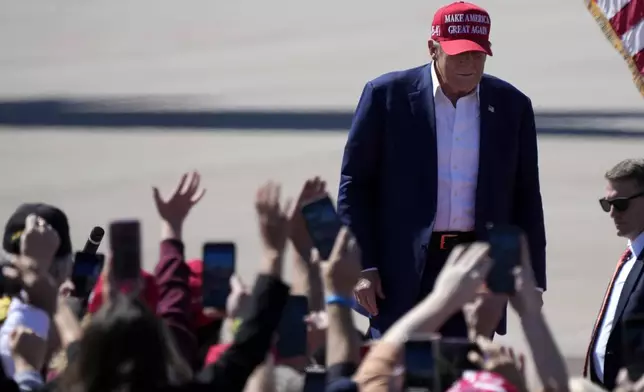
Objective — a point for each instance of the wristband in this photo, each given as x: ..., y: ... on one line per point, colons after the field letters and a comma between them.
x: 334, y: 299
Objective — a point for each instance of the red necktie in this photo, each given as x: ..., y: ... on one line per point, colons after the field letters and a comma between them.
x: 627, y: 255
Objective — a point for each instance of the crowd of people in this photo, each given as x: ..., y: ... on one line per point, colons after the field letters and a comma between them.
x: 437, y: 158
x: 158, y: 336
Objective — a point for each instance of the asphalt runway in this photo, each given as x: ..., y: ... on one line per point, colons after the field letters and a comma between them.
x: 290, y: 54
x: 92, y: 83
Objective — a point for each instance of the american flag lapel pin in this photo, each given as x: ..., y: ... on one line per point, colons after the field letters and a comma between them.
x: 490, y: 108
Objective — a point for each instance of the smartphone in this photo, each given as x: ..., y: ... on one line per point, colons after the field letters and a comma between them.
x: 292, y: 330
x: 125, y: 244
x: 505, y: 251
x: 451, y: 360
x: 323, y: 224
x: 218, y: 266
x: 419, y: 362
x: 87, y: 268
x: 632, y: 343
x: 314, y: 380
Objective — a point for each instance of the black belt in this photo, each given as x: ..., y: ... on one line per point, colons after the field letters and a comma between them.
x: 448, y: 240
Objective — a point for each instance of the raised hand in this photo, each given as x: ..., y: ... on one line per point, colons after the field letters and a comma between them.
x: 175, y: 209
x: 342, y: 270
x: 39, y: 242
x: 501, y: 360
x: 272, y: 219
x: 526, y: 298
x: 463, y: 274
x: 314, y: 188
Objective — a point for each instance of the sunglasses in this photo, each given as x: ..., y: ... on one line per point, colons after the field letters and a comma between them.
x: 621, y: 204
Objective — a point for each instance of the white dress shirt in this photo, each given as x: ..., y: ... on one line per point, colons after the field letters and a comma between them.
x: 457, y: 140
x: 606, y: 327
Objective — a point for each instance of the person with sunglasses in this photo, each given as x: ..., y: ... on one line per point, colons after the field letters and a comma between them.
x: 617, y: 340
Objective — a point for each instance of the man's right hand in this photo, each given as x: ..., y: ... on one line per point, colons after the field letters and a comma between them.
x: 368, y: 288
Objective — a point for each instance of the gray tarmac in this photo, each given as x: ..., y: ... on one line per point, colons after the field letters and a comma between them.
x: 284, y: 56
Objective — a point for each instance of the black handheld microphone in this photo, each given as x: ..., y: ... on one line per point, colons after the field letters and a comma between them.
x: 94, y: 240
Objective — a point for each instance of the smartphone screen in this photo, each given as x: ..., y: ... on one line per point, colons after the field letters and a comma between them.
x: 218, y: 267
x: 125, y: 244
x: 323, y: 224
x: 632, y: 341
x: 87, y: 269
x: 419, y: 363
x: 292, y: 330
x: 450, y: 360
x: 314, y: 380
x: 505, y: 251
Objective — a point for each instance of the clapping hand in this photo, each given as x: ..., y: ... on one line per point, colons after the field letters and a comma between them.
x: 272, y: 219
x: 313, y: 189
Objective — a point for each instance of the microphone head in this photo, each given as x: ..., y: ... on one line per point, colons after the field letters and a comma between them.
x: 97, y: 234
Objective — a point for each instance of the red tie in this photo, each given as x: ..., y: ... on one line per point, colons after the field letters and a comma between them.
x: 627, y: 255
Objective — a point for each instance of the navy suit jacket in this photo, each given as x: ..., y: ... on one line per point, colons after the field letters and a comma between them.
x: 388, y: 184
x: 626, y: 342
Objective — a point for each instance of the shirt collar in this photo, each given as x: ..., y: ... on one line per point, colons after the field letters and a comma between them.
x: 637, y: 246
x: 436, y: 85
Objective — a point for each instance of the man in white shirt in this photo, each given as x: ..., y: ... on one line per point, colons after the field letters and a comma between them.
x: 433, y: 155
x: 617, y: 340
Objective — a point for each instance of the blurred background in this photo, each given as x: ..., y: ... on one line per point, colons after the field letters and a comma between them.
x: 99, y: 100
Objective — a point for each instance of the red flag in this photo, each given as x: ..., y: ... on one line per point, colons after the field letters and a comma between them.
x: 622, y: 21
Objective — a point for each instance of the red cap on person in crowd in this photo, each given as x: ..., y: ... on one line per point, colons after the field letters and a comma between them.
x: 462, y: 27
x: 195, y: 281
x: 482, y: 381
x: 149, y: 295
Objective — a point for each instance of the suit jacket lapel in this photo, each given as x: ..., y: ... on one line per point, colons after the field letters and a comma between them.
x: 629, y: 286
x: 486, y: 153
x: 421, y: 101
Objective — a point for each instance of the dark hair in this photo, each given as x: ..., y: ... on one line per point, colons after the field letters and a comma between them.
x: 126, y: 348
x: 627, y: 170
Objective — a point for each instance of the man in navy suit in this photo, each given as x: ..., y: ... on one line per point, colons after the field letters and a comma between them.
x: 433, y: 155
x: 617, y: 340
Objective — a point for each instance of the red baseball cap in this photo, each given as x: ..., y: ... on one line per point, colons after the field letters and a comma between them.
x: 462, y: 27
x: 482, y: 381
